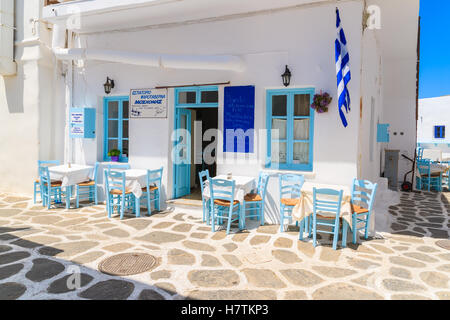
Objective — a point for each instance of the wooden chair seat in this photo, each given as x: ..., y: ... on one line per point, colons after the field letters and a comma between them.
x: 152, y: 188
x: 55, y: 184
x: 290, y: 202
x: 358, y: 209
x: 119, y: 192
x: 87, y: 183
x: 325, y: 217
x: 224, y: 203
x: 252, y: 197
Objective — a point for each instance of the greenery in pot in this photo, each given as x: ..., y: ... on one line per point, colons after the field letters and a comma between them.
x: 114, y: 153
x: 321, y: 102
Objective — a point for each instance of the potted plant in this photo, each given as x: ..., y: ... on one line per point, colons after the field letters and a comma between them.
x: 114, y: 154
x: 321, y: 102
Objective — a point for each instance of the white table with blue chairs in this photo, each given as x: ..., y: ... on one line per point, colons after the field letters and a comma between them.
x: 70, y: 176
x: 243, y: 185
x: 135, y: 180
x: 305, y: 206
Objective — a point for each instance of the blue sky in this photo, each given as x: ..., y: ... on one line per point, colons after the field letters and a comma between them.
x: 434, y: 48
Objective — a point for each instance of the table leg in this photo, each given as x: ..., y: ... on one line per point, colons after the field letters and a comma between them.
x: 138, y: 206
x: 68, y: 195
x: 240, y: 217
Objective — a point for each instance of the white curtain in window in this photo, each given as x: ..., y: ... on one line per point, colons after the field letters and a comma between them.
x: 301, y: 129
x: 301, y: 152
x: 280, y: 125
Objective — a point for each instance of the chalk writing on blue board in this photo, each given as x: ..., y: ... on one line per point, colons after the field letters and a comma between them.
x: 239, y: 119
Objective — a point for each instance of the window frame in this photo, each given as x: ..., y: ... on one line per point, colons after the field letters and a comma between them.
x: 198, y: 95
x: 441, y: 129
x: 289, y: 165
x: 120, y: 100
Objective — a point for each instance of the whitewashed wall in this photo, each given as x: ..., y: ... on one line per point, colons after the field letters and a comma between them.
x: 302, y: 39
x: 433, y: 112
x: 26, y: 103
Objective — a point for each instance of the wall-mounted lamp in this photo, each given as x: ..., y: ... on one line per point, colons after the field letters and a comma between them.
x: 286, y: 76
x: 109, y: 84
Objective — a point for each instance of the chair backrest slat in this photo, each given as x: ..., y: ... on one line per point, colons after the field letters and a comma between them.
x: 263, y: 180
x: 154, y: 177
x: 364, y: 191
x: 203, y: 179
x: 291, y: 185
x: 327, y: 206
x: 115, y: 180
x: 222, y: 189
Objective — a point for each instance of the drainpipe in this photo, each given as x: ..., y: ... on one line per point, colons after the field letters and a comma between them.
x: 196, y: 62
x: 58, y: 42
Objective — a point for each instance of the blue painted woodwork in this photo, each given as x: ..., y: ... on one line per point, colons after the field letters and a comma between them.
x: 427, y: 181
x: 152, y: 192
x: 51, y: 192
x: 363, y: 195
x: 290, y: 190
x: 88, y: 190
x: 289, y: 163
x: 182, y: 175
x: 36, y: 188
x: 326, y: 212
x: 383, y: 132
x: 116, y: 193
x: 206, y: 204
x: 82, y: 123
x: 182, y: 154
x: 439, y: 132
x: 122, y: 135
x: 238, y: 114
x: 252, y: 207
x: 223, y: 205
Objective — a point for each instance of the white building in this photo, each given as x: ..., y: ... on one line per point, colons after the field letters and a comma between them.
x: 181, y: 44
x: 433, y: 126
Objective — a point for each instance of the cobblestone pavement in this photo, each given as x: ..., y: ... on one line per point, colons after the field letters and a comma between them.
x: 39, y: 249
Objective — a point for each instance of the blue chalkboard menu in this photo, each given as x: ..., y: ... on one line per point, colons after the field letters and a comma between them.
x: 239, y: 116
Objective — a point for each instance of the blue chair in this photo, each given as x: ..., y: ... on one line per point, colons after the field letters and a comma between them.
x: 116, y: 192
x: 253, y: 205
x: 204, y: 178
x: 88, y: 189
x: 223, y: 205
x: 290, y: 191
x: 363, y: 199
x: 51, y: 191
x: 153, y: 189
x: 426, y: 179
x: 36, y: 188
x: 326, y: 212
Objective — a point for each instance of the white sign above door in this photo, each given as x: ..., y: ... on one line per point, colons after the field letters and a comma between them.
x: 148, y: 103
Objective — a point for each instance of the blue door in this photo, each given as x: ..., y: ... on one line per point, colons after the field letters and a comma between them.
x: 182, y: 153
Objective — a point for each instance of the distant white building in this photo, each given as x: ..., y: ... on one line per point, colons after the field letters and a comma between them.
x: 433, y: 126
x: 194, y: 50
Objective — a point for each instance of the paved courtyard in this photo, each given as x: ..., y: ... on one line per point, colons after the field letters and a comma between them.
x: 40, y: 249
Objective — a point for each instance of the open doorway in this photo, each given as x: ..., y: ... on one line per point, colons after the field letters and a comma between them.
x: 202, y: 120
x: 196, y: 112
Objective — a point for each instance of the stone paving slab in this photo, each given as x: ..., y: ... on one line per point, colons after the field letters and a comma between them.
x: 42, y: 251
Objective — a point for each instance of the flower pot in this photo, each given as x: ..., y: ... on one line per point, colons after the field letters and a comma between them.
x: 115, y: 158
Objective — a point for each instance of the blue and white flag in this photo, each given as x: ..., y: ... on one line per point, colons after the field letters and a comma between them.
x: 342, y: 70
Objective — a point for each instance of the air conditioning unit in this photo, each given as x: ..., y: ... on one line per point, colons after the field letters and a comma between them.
x: 7, y: 65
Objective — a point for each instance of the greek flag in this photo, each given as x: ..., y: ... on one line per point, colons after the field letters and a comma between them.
x: 342, y: 70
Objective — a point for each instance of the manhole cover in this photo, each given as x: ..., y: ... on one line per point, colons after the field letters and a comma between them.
x: 444, y: 244
x: 126, y: 264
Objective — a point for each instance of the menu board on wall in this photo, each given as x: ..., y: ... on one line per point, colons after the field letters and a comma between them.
x: 148, y: 103
x: 239, y: 116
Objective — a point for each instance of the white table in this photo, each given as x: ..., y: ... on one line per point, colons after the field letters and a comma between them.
x: 135, y: 180
x: 70, y: 177
x: 243, y: 185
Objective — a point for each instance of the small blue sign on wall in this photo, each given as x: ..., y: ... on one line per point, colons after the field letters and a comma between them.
x: 239, y: 119
x: 82, y: 123
x: 383, y: 132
